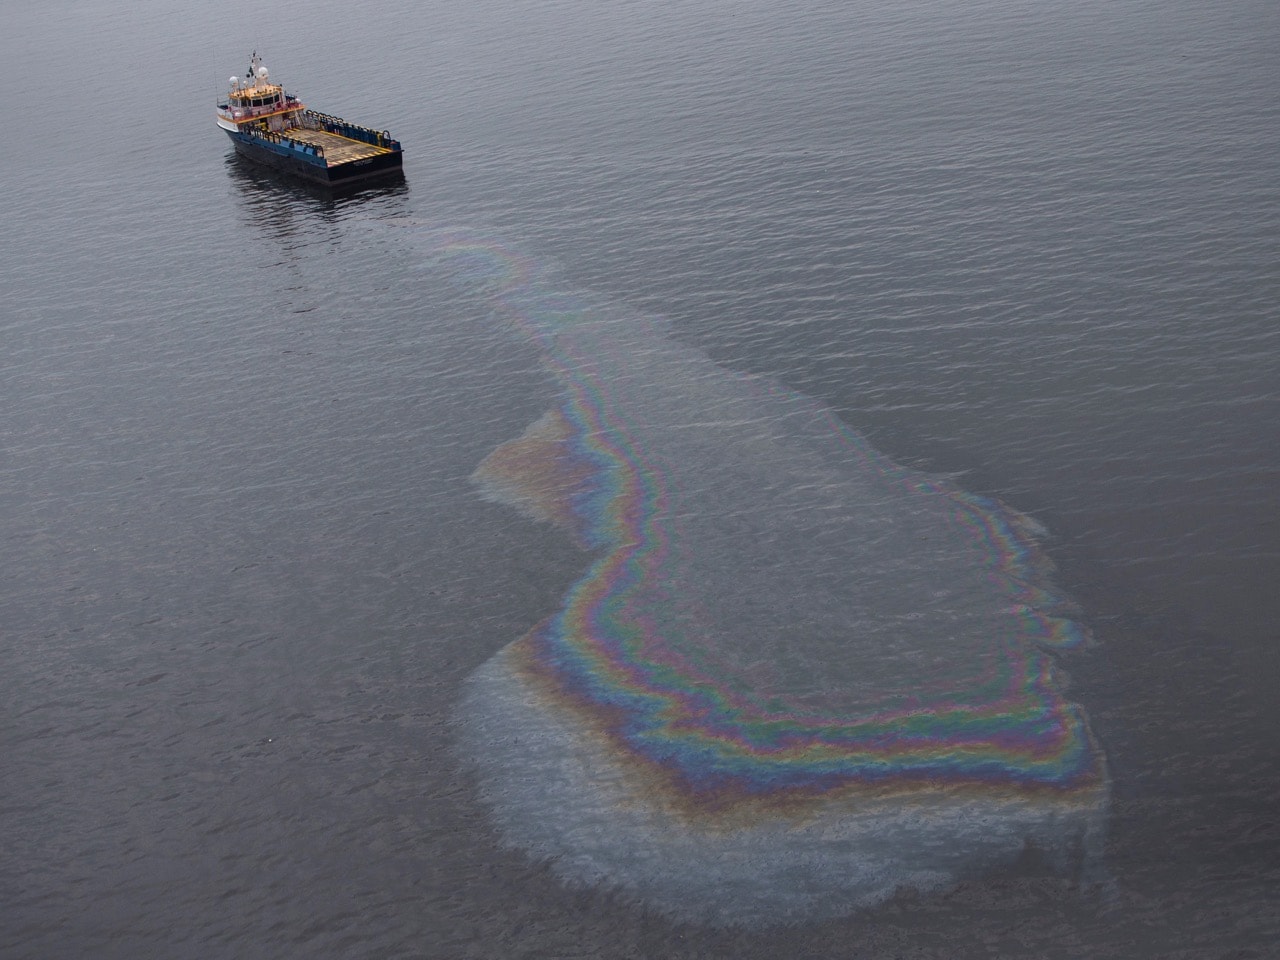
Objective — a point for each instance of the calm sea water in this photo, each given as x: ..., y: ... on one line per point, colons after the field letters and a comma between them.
x: 1032, y: 247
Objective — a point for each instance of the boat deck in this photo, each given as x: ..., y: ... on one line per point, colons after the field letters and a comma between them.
x: 337, y: 149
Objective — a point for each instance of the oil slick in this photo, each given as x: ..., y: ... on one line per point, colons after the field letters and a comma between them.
x: 794, y: 677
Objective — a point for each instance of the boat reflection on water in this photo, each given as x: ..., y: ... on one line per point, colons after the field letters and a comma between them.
x: 289, y: 208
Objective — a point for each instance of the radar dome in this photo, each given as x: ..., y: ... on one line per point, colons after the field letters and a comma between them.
x: 262, y: 73
x: 234, y: 80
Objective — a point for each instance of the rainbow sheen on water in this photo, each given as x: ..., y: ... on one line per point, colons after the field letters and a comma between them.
x: 795, y: 677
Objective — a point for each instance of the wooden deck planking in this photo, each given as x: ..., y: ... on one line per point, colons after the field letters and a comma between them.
x: 336, y: 149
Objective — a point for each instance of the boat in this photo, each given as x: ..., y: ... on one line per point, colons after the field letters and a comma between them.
x: 272, y: 127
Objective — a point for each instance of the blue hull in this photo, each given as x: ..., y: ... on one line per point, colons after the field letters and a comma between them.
x: 309, y: 166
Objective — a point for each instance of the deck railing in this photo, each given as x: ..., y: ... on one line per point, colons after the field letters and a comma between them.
x: 352, y: 131
x: 284, y: 140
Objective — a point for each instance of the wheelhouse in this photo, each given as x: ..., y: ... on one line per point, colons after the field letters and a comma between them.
x: 255, y: 96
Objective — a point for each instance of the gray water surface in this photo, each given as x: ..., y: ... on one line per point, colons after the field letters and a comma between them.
x: 244, y: 573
